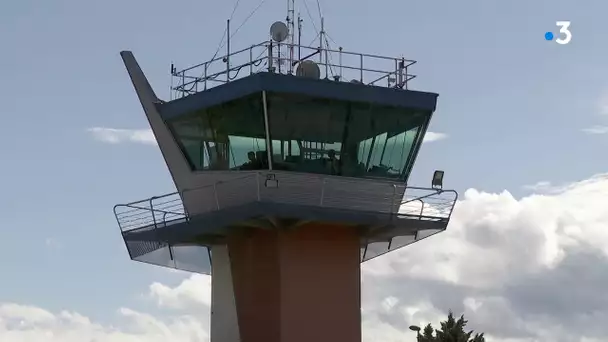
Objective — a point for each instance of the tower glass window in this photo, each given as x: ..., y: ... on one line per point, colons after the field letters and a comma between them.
x: 307, y: 134
x: 230, y: 136
x: 343, y: 138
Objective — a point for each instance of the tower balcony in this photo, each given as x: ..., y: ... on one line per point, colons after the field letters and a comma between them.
x: 388, y: 215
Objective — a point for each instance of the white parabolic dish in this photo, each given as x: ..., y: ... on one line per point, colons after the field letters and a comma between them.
x: 279, y: 31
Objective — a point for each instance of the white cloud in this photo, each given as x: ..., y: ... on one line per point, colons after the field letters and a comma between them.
x: 522, y: 270
x: 545, y: 187
x: 190, y: 294
x: 117, y: 136
x: 145, y: 136
x: 514, y: 266
x: 596, y: 130
x: 602, y: 110
x: 19, y: 323
x: 542, y: 186
x: 434, y: 136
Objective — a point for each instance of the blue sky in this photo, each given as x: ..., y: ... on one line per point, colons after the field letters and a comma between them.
x: 514, y: 108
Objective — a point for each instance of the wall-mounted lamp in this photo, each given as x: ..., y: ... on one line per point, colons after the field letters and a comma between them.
x: 437, y: 182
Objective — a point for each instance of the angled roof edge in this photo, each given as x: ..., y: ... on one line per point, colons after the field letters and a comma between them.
x: 272, y: 82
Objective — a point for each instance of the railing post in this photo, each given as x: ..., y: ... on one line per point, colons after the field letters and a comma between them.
x: 397, y: 79
x: 270, y: 67
x: 322, y: 192
x: 116, y: 215
x: 453, y: 204
x: 251, y: 60
x: 205, y: 84
x: 401, y: 68
x: 340, y: 57
x: 361, y: 67
x: 183, y: 82
x: 152, y: 211
x: 326, y: 64
x: 217, y: 201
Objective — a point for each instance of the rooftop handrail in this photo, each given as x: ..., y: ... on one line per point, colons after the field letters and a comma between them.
x: 396, y: 74
x: 268, y: 42
x: 264, y: 43
x: 306, y: 189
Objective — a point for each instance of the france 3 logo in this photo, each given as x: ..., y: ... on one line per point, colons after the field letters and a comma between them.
x: 563, y: 37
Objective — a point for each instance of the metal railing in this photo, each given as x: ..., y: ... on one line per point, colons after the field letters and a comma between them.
x: 336, y: 65
x: 157, y: 211
x: 291, y: 188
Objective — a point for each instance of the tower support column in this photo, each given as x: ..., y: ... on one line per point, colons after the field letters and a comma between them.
x: 297, y: 285
x: 224, y: 322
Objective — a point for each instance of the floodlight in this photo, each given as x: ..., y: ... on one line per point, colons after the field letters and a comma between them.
x: 437, y: 182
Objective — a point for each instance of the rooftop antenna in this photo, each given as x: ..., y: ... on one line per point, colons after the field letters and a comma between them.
x: 278, y: 32
x: 227, y: 59
x: 323, y: 50
x: 299, y: 37
x: 291, y: 31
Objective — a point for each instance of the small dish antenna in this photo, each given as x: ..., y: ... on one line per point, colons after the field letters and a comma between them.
x: 279, y: 31
x: 308, y: 69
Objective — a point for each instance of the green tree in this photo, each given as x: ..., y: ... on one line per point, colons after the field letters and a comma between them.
x: 452, y: 330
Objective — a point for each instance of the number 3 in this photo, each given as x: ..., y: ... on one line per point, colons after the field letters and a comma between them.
x: 564, y: 29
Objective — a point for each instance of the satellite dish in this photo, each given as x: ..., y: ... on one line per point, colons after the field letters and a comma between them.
x: 279, y: 31
x: 308, y: 69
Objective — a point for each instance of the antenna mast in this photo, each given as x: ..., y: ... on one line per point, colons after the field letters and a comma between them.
x: 299, y: 37
x: 291, y: 26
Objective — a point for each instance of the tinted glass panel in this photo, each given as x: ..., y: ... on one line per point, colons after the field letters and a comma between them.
x: 342, y: 138
x: 226, y: 137
x: 314, y: 135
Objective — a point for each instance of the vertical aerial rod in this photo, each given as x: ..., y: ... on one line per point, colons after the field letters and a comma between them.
x: 321, y: 41
x: 291, y: 28
x: 299, y: 37
x: 323, y: 38
x: 228, y: 50
x: 172, y: 75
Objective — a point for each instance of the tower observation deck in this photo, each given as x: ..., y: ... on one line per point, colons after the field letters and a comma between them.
x: 290, y: 172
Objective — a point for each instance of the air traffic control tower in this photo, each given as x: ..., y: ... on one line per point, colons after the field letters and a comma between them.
x: 291, y: 166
